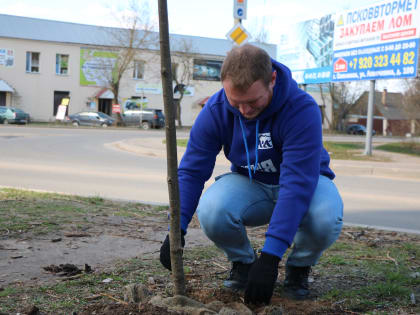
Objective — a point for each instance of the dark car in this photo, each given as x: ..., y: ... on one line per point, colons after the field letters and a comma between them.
x: 90, y: 118
x: 11, y: 115
x: 356, y: 129
x: 146, y: 118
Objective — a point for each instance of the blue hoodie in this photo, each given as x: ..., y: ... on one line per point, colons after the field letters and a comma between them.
x: 289, y: 154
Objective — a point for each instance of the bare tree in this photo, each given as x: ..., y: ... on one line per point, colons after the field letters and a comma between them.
x: 174, y: 202
x: 323, y: 106
x: 136, y: 33
x: 259, y: 32
x: 343, y: 96
x: 411, y: 101
x: 182, y: 73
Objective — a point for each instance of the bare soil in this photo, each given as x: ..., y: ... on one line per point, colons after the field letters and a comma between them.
x: 125, y: 248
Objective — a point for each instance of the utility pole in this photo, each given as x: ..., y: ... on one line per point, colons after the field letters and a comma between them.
x: 369, y: 119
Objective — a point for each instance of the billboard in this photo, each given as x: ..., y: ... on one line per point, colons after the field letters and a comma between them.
x: 96, y: 66
x: 307, y: 50
x: 378, y: 41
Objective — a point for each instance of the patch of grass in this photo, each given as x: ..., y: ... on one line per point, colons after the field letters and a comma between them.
x: 412, y: 148
x: 345, y: 151
x: 181, y: 142
x: 337, y: 260
x: 22, y: 211
x: 8, y: 291
x: 337, y: 150
x: 380, y: 275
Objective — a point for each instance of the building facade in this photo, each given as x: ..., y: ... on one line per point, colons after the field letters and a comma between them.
x: 43, y: 61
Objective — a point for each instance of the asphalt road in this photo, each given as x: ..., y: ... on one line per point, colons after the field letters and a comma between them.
x: 86, y: 162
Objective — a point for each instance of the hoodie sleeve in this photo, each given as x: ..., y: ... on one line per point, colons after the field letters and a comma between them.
x: 197, y: 163
x: 301, y: 136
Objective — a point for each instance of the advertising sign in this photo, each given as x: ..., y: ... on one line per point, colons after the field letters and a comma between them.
x: 96, y: 66
x: 7, y: 57
x: 379, y: 41
x: 62, y: 108
x: 148, y: 88
x: 207, y: 70
x: 307, y: 50
x: 116, y: 108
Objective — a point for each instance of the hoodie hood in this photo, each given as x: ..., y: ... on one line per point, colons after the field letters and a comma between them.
x: 284, y: 86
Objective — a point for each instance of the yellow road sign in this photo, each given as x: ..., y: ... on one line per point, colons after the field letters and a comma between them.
x: 238, y: 34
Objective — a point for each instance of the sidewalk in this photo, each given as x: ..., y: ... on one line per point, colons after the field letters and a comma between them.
x: 399, y: 166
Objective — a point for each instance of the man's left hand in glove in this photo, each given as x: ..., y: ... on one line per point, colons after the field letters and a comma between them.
x: 261, y: 279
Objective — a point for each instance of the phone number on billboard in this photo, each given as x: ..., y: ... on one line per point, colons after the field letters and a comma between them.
x: 381, y: 61
x: 394, y: 60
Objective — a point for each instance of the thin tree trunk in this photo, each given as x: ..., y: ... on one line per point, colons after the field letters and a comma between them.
x: 171, y: 153
x: 178, y: 108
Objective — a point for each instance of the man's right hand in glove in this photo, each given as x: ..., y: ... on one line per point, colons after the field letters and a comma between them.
x: 165, y: 251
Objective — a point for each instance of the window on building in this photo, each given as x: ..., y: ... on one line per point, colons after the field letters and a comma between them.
x: 208, y: 70
x: 61, y: 64
x: 138, y: 71
x: 32, y: 61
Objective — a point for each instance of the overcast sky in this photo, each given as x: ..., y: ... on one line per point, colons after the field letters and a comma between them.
x: 211, y: 18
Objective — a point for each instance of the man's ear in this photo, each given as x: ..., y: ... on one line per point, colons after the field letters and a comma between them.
x: 273, y: 79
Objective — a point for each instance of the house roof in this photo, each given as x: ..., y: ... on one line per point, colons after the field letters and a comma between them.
x: 392, y: 108
x: 12, y: 26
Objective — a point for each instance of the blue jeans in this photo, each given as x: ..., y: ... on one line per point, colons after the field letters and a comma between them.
x: 233, y: 202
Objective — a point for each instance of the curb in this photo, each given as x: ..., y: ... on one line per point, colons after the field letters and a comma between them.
x: 369, y: 170
x: 149, y: 148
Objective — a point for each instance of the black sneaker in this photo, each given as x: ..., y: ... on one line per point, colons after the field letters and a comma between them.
x: 296, y: 283
x: 238, y: 276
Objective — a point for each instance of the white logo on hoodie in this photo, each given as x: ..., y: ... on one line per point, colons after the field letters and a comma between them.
x: 265, y: 142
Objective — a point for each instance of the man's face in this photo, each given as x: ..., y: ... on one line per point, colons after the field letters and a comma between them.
x: 254, y: 100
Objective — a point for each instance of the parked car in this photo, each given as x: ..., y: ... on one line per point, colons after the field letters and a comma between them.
x: 90, y: 118
x: 356, y: 129
x: 12, y: 115
x: 146, y: 118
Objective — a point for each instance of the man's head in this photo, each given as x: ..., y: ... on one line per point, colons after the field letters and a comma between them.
x: 248, y: 79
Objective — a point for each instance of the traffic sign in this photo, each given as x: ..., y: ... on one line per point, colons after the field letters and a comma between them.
x: 238, y: 34
x: 239, y: 9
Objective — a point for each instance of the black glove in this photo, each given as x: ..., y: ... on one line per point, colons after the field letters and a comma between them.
x: 165, y: 251
x: 261, y: 279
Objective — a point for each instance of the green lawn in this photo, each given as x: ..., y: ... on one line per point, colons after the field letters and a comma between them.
x: 354, y: 150
x: 412, y: 148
